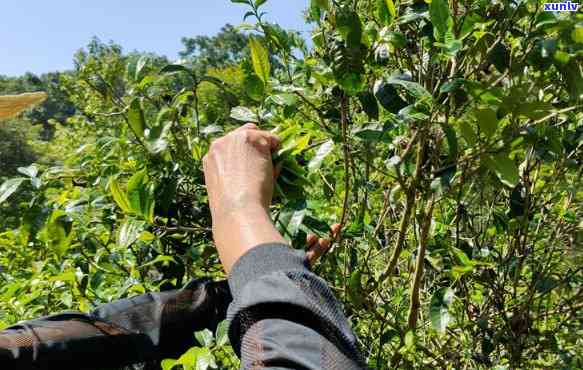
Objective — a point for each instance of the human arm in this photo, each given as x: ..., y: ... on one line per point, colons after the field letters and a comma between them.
x: 283, y: 316
x: 145, y: 328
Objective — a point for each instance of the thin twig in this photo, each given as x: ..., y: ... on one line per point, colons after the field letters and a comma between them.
x: 414, y: 302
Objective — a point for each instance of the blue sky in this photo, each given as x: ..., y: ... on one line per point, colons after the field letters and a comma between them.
x: 42, y: 35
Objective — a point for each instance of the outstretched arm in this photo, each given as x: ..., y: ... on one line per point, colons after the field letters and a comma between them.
x: 283, y: 316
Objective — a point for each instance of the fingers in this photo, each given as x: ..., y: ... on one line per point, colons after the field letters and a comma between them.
x: 310, y: 240
x: 275, y: 141
x: 247, y: 126
x: 324, y: 244
x: 317, y: 247
x: 272, y: 140
x: 277, y: 170
x: 335, y: 231
x: 255, y: 136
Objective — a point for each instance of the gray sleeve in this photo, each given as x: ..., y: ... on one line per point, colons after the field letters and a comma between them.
x: 285, y: 317
x: 142, y: 329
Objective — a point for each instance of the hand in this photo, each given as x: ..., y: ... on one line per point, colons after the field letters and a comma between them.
x: 315, y: 248
x: 239, y: 176
x: 239, y: 171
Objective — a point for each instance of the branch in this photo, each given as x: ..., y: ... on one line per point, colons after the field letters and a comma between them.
x: 556, y: 113
x: 411, y: 191
x: 344, y: 123
x: 415, y: 304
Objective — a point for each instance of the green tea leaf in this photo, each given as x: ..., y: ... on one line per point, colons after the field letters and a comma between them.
x: 291, y: 217
x: 323, y: 151
x: 452, y: 141
x: 204, y: 337
x: 469, y: 23
x: 573, y: 76
x: 254, y: 87
x: 355, y: 289
x: 136, y: 118
x: 413, y: 88
x: 410, y: 340
x: 452, y: 85
x: 534, y: 110
x: 349, y: 26
x: 172, y: 68
x: 301, y: 144
x: 369, y: 104
x: 260, y: 59
x: 189, y: 359
x: 487, y: 121
x: 222, y: 333
x: 284, y: 99
x: 141, y: 68
x: 391, y: 7
x: 468, y: 132
x: 388, y: 96
x: 500, y: 57
x: 505, y: 169
x: 30, y: 171
x: 57, y: 233
x: 577, y: 34
x: 168, y: 364
x: 370, y: 132
x: 140, y: 195
x: 316, y: 226
x: 9, y: 187
x: 397, y: 39
x: 440, y: 18
x: 385, y: 11
x: 205, y: 360
x: 244, y: 114
x: 129, y: 232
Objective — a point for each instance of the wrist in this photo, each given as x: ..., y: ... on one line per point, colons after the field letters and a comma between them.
x: 236, y: 232
x: 243, y: 211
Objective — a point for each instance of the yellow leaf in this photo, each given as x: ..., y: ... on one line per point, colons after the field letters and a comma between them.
x: 391, y: 7
x: 301, y: 144
x: 119, y: 196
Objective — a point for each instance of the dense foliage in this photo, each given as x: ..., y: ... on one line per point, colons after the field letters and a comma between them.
x: 446, y: 138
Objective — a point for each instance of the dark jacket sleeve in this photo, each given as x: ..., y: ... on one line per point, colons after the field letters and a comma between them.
x: 285, y: 317
x: 145, y: 328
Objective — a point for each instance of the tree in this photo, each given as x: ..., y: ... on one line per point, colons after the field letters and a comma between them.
x: 225, y: 49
